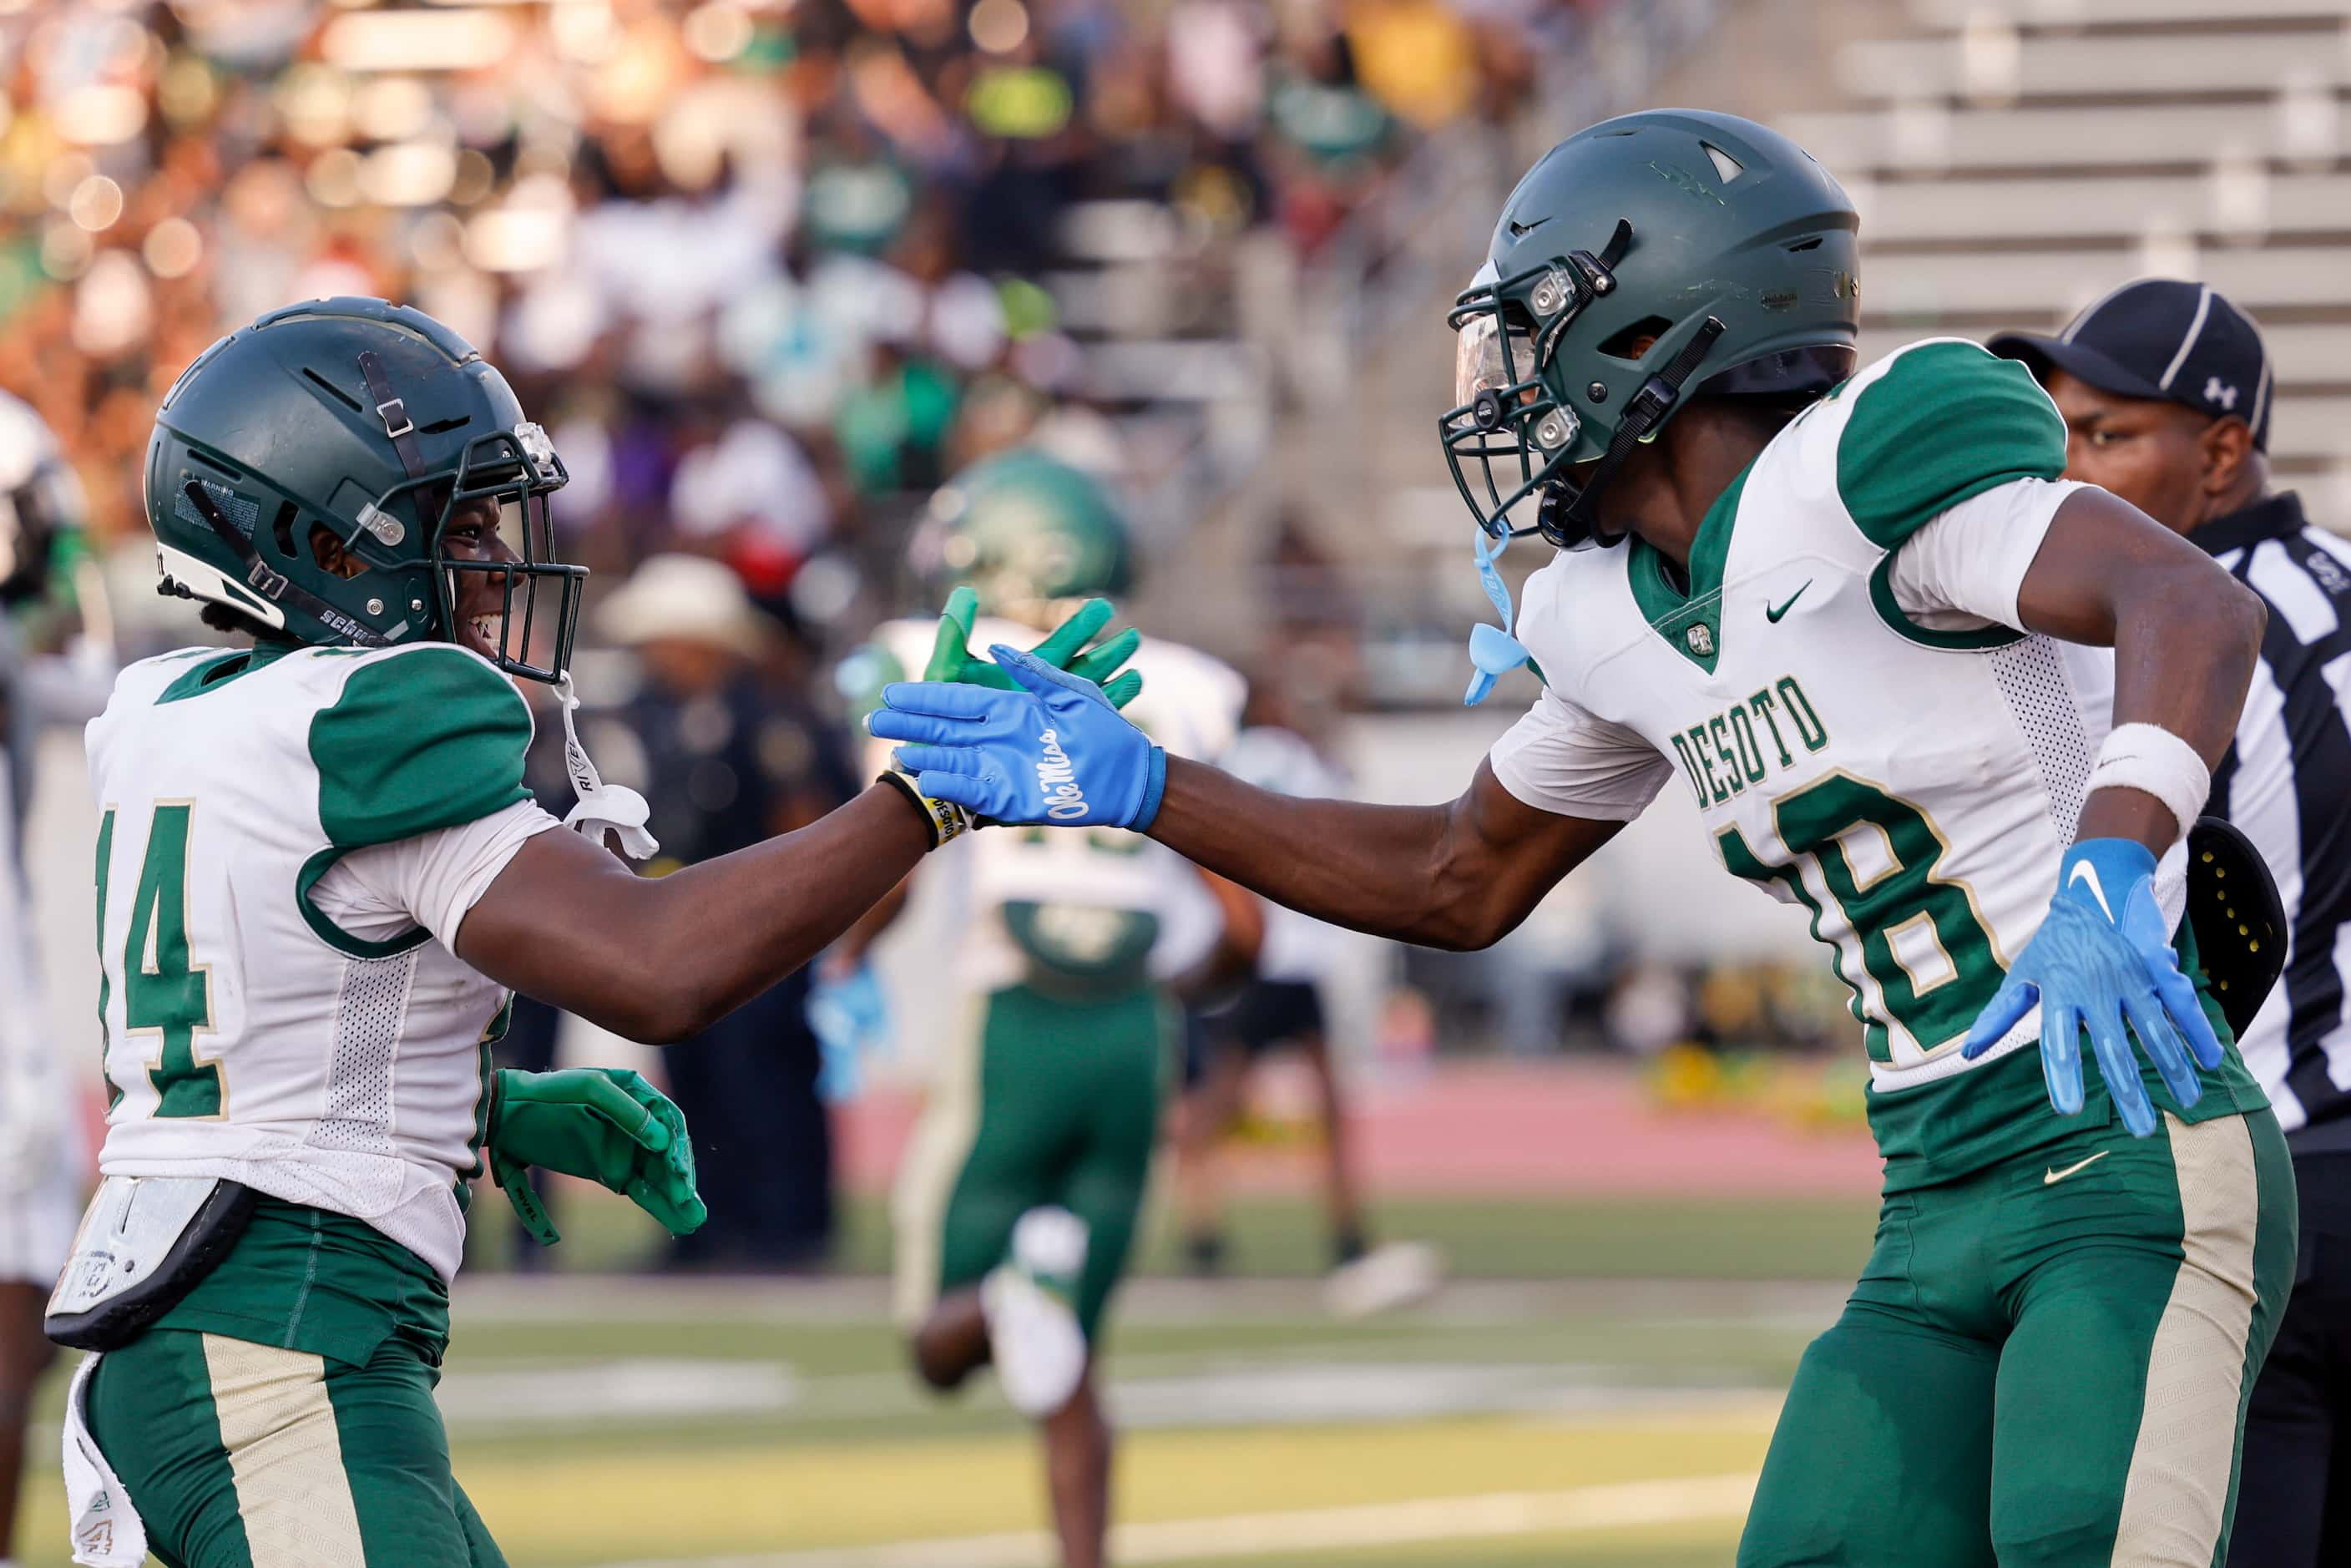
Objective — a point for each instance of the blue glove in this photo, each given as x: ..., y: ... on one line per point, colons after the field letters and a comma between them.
x: 1054, y: 751
x: 2089, y: 969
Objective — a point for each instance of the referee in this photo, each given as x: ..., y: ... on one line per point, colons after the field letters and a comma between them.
x: 2165, y: 388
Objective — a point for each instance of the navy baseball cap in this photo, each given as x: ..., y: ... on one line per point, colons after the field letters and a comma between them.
x: 2159, y: 338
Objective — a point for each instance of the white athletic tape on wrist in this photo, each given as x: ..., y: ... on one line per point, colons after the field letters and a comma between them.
x: 2148, y: 756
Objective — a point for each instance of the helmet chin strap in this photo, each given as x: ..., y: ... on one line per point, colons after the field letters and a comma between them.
x: 600, y: 808
x: 1565, y: 515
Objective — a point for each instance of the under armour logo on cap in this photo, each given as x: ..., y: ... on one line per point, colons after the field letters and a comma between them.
x: 2160, y: 339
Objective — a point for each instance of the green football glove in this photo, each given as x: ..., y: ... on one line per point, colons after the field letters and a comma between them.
x: 951, y: 658
x: 602, y: 1123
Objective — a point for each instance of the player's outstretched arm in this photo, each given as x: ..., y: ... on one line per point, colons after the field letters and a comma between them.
x: 657, y: 959
x: 2185, y: 635
x: 1056, y: 752
x: 1460, y: 875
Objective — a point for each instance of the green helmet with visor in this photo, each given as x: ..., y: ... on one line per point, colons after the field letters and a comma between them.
x: 1642, y: 261
x: 379, y: 424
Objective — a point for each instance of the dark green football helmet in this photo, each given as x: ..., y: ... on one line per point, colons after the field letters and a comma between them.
x: 1026, y: 531
x: 376, y: 421
x: 1645, y: 260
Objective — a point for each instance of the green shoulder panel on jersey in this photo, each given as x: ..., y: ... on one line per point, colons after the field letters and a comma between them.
x: 1944, y: 420
x: 420, y: 737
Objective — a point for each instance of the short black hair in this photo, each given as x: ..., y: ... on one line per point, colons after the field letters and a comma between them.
x: 236, y: 623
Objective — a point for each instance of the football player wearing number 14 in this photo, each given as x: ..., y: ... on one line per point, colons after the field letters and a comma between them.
x: 1959, y: 708
x: 319, y: 879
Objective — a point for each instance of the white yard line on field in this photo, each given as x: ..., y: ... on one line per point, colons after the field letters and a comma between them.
x: 598, y: 1297
x: 1298, y: 1385
x: 1489, y: 1516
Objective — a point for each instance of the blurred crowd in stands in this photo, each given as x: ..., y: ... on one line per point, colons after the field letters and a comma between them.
x: 757, y: 265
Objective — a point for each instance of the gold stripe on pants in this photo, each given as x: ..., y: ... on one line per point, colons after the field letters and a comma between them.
x: 932, y: 1165
x: 286, y: 1454
x: 2175, y: 1498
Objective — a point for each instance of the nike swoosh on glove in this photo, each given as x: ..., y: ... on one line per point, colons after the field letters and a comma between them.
x: 1054, y: 752
x: 2087, y: 969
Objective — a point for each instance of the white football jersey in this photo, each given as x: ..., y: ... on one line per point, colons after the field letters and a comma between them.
x: 44, y: 1159
x: 250, y: 1033
x: 1191, y: 705
x: 1297, y: 947
x: 1846, y: 692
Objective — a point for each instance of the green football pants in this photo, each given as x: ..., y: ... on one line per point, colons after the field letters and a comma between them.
x: 238, y: 1455
x: 1045, y: 1100
x: 2044, y: 1365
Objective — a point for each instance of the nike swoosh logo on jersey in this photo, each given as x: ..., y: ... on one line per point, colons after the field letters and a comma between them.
x: 2085, y: 872
x: 2051, y: 1178
x: 1773, y: 615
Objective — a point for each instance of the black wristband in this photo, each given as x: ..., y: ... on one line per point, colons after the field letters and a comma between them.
x: 923, y: 809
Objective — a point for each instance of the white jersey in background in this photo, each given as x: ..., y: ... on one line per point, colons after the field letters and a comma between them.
x: 1297, y: 948
x: 44, y: 1157
x: 288, y: 839
x: 1844, y: 686
x: 1191, y: 705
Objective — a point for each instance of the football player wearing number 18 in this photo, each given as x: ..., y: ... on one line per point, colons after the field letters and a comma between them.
x: 319, y: 879
x: 1962, y: 710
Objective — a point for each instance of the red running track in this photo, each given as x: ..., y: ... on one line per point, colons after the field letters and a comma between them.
x: 1508, y: 1129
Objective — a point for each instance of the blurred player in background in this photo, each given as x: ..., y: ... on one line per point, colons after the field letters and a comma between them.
x: 1861, y: 617
x: 1017, y: 1204
x: 2165, y: 386
x: 730, y: 759
x: 1280, y: 1007
x: 43, y: 1163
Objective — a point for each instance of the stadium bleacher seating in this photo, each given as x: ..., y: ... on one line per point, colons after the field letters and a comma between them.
x: 2014, y: 163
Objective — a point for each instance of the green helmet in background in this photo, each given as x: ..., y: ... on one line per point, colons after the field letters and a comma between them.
x: 1024, y: 530
x: 375, y: 422
x: 1642, y: 261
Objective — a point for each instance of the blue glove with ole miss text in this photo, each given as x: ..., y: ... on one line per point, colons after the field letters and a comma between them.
x: 2090, y: 968
x: 1053, y: 750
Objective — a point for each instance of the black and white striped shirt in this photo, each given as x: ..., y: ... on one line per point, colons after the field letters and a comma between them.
x: 2286, y: 782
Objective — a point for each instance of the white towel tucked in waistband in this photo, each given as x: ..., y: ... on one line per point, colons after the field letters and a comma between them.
x: 107, y: 1532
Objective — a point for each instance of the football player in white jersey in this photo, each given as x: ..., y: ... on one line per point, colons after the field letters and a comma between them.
x: 319, y: 879
x: 1861, y: 619
x: 44, y: 1158
x: 1017, y: 1197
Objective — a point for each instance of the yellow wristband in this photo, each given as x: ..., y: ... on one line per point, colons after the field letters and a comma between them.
x: 942, y: 819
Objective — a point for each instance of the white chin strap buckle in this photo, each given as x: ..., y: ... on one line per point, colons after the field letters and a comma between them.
x: 602, y: 808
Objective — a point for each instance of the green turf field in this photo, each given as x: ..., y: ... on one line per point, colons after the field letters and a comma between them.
x: 1559, y: 1417
x: 1496, y: 1238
